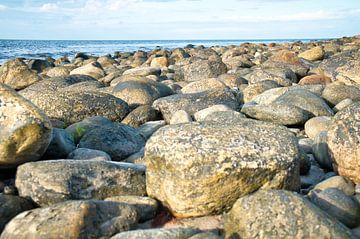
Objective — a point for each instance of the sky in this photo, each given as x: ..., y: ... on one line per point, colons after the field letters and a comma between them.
x: 178, y: 19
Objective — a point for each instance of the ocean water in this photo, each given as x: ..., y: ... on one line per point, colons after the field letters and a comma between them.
x: 41, y: 49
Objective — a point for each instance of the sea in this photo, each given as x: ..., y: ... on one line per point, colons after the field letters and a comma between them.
x: 41, y: 49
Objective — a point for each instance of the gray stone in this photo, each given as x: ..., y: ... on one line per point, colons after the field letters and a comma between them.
x: 180, y: 117
x: 338, y: 182
x: 85, y: 154
x: 62, y: 143
x: 174, y: 233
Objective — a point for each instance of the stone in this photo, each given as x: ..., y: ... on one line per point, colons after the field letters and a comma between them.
x: 88, y: 154
x: 203, y: 69
x: 62, y: 143
x: 314, y: 176
x: 92, y: 69
x: 161, y: 61
x: 173, y: 233
x: 343, y: 141
x: 106, y: 61
x: 338, y: 182
x: 305, y: 163
x: 149, y: 128
x: 203, y: 85
x: 10, y: 206
x: 180, y: 117
x: 54, y: 181
x: 136, y: 158
x: 224, y: 116
x: 282, y: 76
x: 306, y: 144
x: 334, y: 94
x: 39, y: 65
x: 140, y: 91
x: 205, y: 235
x: 313, y: 54
x: 209, y: 164
x: 339, y: 205
x: 278, y: 113
x: 25, y: 130
x: 232, y: 80
x: 306, y: 100
x: 202, y: 114
x: 315, y: 80
x: 349, y: 73
x: 143, y: 71
x: 72, y: 106
x: 280, y: 214
x: 342, y: 105
x: 192, y: 103
x: 141, y: 115
x: 255, y: 89
x: 118, y: 140
x: 146, y: 207
x: 17, y: 75
x: 288, y: 59
x: 58, y: 71
x: 321, y: 152
x: 72, y: 220
x: 316, y: 125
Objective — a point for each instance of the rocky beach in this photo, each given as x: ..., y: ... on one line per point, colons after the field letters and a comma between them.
x: 234, y: 142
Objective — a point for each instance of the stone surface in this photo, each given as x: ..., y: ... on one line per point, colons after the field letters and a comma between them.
x: 313, y: 54
x: 173, y: 233
x: 50, y: 182
x: 335, y: 93
x: 321, y: 152
x: 203, y: 85
x: 85, y: 154
x: 280, y: 214
x: 199, y: 169
x: 16, y: 74
x: 72, y: 220
x: 62, y: 143
x: 143, y: 71
x: 314, y: 80
x: 118, y: 140
x: 316, y: 125
x: 343, y: 141
x: 92, y: 69
x: 256, y: 89
x: 202, y: 114
x: 180, y: 117
x: 141, y: 115
x: 225, y: 116
x: 203, y: 69
x: 338, y: 182
x: 25, y: 130
x: 342, y: 105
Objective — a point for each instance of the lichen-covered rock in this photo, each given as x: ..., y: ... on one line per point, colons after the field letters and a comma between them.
x: 257, y: 88
x: 72, y: 220
x: 203, y: 69
x: 198, y: 169
x: 335, y: 93
x: 203, y: 85
x: 118, y: 140
x: 280, y: 214
x: 195, y: 102
x: 50, y: 182
x: 25, y: 130
x: 343, y: 141
x: 283, y: 77
x: 16, y: 74
x: 141, y: 115
x: 143, y: 71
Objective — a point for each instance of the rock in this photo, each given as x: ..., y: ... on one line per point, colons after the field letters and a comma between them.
x: 305, y: 163
x: 180, y: 117
x: 136, y: 158
x: 205, y: 235
x: 316, y: 125
x: 287, y: 59
x: 118, y: 140
x: 73, y: 219
x: 356, y: 232
x: 321, y: 152
x: 313, y: 54
x: 141, y: 91
x: 280, y: 214
x: 174, y: 233
x: 339, y: 205
x: 257, y: 88
x: 25, y: 130
x: 92, y: 69
x: 232, y: 80
x: 145, y: 206
x: 282, y: 76
x: 16, y: 74
x: 277, y: 113
x: 73, y: 106
x: 342, y: 105
x: 307, y: 101
x: 147, y: 129
x: 62, y: 143
x: 270, y: 96
x: 161, y: 61
x: 343, y: 141
x: 141, y: 115
x: 314, y: 176
x: 85, y: 154
x: 58, y: 71
x: 214, y: 160
x: 349, y: 73
x: 78, y: 130
x: 334, y: 94
x: 202, y: 114
x: 203, y: 69
x: 50, y: 182
x: 305, y: 144
x: 338, y: 182
x: 192, y: 103
x: 10, y: 206
x: 203, y: 85
x: 107, y: 61
x: 315, y: 80
x: 39, y: 65
x: 143, y: 71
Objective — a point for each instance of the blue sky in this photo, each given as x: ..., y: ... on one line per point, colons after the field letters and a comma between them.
x: 178, y: 19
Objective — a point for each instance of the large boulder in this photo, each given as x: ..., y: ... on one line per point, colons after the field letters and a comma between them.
x: 73, y: 220
x: 313, y: 54
x: 335, y: 93
x: 16, y: 74
x: 282, y: 76
x: 92, y: 69
x: 343, y: 142
x: 195, y: 102
x: 203, y: 69
x: 118, y: 140
x: 198, y: 169
x: 50, y: 182
x: 74, y: 106
x: 280, y: 214
x: 25, y: 130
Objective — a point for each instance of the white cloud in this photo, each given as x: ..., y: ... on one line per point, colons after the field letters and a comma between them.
x: 2, y: 7
x: 49, y: 7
